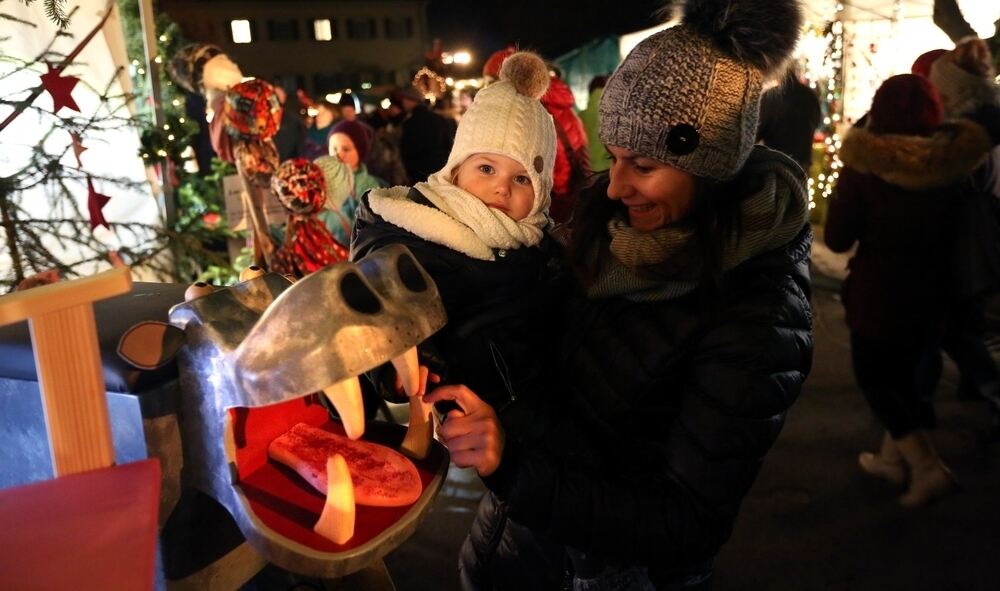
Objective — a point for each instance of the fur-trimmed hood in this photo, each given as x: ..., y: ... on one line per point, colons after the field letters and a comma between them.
x: 918, y: 163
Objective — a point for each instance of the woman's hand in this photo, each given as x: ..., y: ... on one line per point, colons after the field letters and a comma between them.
x: 472, y: 434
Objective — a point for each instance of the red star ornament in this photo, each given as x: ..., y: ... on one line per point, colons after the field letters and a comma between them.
x: 78, y: 147
x: 60, y: 88
x: 95, y: 205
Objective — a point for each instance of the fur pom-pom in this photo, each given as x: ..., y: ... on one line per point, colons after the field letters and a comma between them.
x: 760, y: 32
x: 527, y: 72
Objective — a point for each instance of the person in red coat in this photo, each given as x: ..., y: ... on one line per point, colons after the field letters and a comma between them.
x: 901, y: 213
x: 572, y: 159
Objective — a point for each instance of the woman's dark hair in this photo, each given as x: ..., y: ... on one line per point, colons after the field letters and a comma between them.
x: 714, y: 220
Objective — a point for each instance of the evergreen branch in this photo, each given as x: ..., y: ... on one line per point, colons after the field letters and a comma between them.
x: 16, y: 20
x: 55, y: 11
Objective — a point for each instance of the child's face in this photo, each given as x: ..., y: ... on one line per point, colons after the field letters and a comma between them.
x: 342, y: 146
x: 499, y: 182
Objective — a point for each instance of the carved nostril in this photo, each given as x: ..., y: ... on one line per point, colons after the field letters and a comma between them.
x: 410, y: 274
x: 357, y: 295
x: 251, y: 272
x: 197, y: 290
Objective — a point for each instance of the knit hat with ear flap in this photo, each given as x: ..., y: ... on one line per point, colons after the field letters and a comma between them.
x: 689, y: 95
x: 507, y: 118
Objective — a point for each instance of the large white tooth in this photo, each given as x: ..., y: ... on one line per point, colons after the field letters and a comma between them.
x: 420, y: 431
x: 346, y: 398
x: 336, y: 522
x: 408, y: 369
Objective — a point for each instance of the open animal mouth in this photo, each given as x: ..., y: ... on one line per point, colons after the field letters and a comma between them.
x: 254, y: 358
x: 317, y: 337
x: 283, y: 502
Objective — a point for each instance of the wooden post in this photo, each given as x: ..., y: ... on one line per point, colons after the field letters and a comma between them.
x: 68, y: 362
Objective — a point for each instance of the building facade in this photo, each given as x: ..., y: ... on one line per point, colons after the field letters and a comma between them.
x: 320, y: 46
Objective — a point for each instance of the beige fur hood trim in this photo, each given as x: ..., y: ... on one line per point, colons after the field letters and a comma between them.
x: 918, y: 163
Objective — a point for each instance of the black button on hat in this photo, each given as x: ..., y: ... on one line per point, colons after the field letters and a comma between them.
x: 682, y: 139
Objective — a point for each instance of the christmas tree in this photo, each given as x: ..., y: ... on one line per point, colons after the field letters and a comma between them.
x: 65, y: 136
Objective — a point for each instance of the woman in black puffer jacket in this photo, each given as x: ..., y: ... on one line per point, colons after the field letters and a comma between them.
x: 690, y: 339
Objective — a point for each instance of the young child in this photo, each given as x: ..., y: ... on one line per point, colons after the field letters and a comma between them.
x: 478, y: 227
x: 350, y: 142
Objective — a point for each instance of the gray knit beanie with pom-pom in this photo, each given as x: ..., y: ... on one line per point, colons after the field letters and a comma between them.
x: 507, y: 118
x: 689, y: 95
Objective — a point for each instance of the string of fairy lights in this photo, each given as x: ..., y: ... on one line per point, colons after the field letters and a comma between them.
x: 173, y: 138
x: 824, y: 70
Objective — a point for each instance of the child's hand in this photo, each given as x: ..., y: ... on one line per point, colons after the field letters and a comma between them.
x: 426, y: 375
x: 472, y: 432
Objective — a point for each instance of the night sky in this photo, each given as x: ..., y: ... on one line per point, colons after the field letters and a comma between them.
x: 551, y: 27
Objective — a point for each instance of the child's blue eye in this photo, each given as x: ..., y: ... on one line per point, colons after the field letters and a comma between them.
x: 485, y: 168
x: 522, y: 180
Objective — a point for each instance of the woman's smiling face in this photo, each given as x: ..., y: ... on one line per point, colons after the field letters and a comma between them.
x: 655, y: 194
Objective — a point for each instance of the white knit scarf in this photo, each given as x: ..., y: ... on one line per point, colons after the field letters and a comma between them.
x: 460, y: 221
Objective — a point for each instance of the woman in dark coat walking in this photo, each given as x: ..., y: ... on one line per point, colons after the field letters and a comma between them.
x: 897, y: 199
x: 689, y: 339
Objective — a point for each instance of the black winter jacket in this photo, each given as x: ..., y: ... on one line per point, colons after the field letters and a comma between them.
x: 673, y: 406
x: 498, y: 339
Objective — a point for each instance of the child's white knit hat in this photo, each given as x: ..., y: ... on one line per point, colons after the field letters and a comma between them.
x: 507, y: 118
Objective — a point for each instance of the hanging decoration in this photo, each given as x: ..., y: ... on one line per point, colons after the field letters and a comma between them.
x: 95, y: 201
x: 252, y: 111
x: 309, y: 246
x: 430, y: 84
x: 95, y: 206
x: 78, y: 147
x: 251, y: 115
x: 53, y: 79
x: 60, y: 88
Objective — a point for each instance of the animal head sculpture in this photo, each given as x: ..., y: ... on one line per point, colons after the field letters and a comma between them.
x: 252, y: 359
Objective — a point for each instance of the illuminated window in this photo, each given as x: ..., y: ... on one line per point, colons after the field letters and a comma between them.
x: 324, y: 29
x: 241, y: 31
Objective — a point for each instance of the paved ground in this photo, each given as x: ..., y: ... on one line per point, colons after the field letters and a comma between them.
x: 812, y: 521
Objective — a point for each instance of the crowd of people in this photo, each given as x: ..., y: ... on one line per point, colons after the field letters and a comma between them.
x: 628, y: 287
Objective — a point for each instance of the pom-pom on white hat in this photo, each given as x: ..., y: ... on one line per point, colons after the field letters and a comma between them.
x: 508, y: 119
